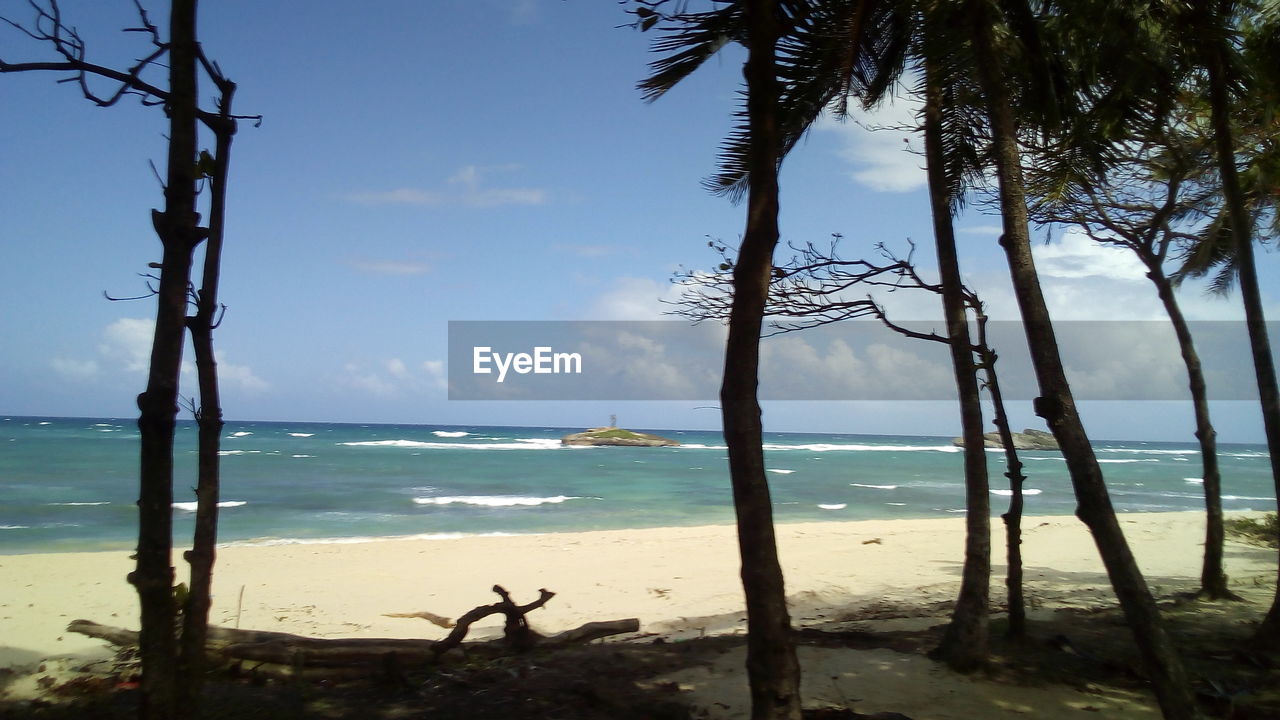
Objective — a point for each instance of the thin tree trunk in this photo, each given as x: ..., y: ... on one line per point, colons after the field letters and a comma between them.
x: 176, y: 227
x: 1056, y: 403
x: 1213, y: 579
x: 1260, y: 344
x: 1013, y: 470
x: 195, y: 616
x: 964, y: 646
x: 772, y: 668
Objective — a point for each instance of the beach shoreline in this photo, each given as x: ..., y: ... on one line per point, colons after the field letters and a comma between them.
x: 678, y: 581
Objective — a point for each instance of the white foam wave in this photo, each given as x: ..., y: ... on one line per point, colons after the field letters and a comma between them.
x: 1128, y: 460
x: 1131, y: 451
x: 498, y: 500
x: 1246, y: 497
x: 241, y: 433
x: 191, y: 506
x: 1195, y: 481
x: 44, y: 422
x: 518, y: 444
x: 302, y: 456
x: 239, y: 452
x: 449, y: 433
x: 700, y: 446
x: 71, y: 504
x: 875, y: 487
x: 780, y: 472
x: 302, y: 434
x: 855, y: 447
x: 15, y: 527
x: 1247, y: 454
x: 1006, y: 492
x: 835, y: 506
x: 103, y: 425
x: 897, y: 504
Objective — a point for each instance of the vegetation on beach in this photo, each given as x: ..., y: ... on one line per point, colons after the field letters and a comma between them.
x: 1261, y: 531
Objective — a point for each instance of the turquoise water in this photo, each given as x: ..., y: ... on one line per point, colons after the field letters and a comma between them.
x: 70, y: 484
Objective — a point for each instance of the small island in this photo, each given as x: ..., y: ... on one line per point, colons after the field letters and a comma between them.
x: 616, y: 436
x: 1028, y: 439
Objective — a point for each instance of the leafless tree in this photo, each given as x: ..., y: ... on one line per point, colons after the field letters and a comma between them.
x: 172, y: 672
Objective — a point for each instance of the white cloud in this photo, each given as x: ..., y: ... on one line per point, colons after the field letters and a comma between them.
x: 240, y: 376
x: 466, y: 188
x: 74, y: 369
x: 634, y: 298
x: 880, y: 145
x: 1075, y: 255
x: 990, y: 230
x: 126, y: 343
x: 437, y: 375
x: 395, y: 377
x: 391, y: 267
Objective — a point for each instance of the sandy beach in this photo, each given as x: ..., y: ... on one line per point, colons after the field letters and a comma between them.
x: 680, y: 582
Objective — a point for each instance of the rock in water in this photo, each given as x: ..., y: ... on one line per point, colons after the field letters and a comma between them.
x: 616, y: 436
x: 1028, y: 439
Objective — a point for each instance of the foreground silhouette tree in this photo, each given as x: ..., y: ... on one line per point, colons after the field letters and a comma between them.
x: 1056, y: 403
x: 772, y: 667
x: 856, y: 49
x: 811, y: 290
x: 170, y: 678
x: 773, y: 670
x: 1208, y: 27
x: 1149, y: 202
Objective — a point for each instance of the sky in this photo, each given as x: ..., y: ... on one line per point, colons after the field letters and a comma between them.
x: 462, y: 160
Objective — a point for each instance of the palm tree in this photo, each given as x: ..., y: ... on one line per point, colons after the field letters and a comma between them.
x: 1210, y: 33
x: 843, y: 60
x: 1144, y: 203
x: 836, y: 50
x: 773, y: 670
x: 1056, y: 403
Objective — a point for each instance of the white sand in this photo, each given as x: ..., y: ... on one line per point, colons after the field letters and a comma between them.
x: 676, y: 580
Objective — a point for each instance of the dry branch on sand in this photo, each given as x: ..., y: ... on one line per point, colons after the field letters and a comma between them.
x: 276, y: 653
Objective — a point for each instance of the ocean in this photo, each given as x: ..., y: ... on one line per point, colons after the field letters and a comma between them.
x: 69, y: 484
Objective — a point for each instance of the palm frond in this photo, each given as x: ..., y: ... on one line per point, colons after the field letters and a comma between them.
x: 686, y: 42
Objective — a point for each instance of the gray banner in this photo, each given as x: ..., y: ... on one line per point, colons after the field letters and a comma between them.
x: 856, y: 360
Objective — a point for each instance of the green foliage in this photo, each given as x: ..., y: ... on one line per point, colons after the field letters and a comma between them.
x: 618, y: 433
x: 1259, y: 531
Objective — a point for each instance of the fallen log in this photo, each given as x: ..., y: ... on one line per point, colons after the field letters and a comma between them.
x: 278, y: 653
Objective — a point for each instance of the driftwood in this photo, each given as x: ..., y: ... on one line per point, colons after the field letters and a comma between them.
x: 277, y: 653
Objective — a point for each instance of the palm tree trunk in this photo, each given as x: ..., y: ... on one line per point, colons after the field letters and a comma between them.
x: 965, y: 644
x: 1056, y: 403
x: 1255, y: 320
x: 176, y: 227
x: 772, y: 668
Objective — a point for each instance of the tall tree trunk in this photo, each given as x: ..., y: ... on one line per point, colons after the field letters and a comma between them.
x: 1013, y: 471
x: 1056, y: 403
x: 201, y: 557
x: 965, y: 644
x: 772, y: 668
x: 1213, y: 579
x: 1260, y: 344
x: 177, y: 229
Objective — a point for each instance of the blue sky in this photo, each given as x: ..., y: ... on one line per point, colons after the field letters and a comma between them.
x: 453, y: 160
